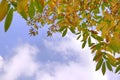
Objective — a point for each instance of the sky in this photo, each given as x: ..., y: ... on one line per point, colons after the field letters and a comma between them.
x: 45, y: 58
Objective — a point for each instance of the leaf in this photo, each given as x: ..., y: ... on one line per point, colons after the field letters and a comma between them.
x: 83, y: 45
x: 72, y: 29
x: 98, y: 56
x: 97, y: 37
x: 31, y: 9
x: 103, y: 68
x: 117, y: 69
x: 109, y: 66
x: 8, y: 19
x: 112, y: 58
x: 4, y: 7
x: 14, y: 4
x: 64, y: 32
x: 79, y: 37
x: 89, y: 41
x: 22, y: 8
x: 111, y: 62
x: 39, y: 6
x: 62, y: 28
x: 99, y: 64
x: 23, y: 14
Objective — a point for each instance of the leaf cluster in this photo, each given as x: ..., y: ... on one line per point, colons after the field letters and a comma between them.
x: 97, y: 21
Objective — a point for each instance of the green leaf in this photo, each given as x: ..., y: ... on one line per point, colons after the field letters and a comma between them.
x: 103, y: 68
x: 96, y: 10
x: 8, y: 19
x: 64, y: 32
x: 23, y: 14
x: 89, y: 41
x: 72, y: 29
x: 39, y: 6
x: 97, y: 37
x: 117, y: 69
x: 79, y: 37
x: 98, y: 46
x: 118, y: 62
x: 109, y: 66
x: 62, y: 28
x: 83, y: 25
x: 83, y: 45
x: 14, y: 4
x: 99, y: 64
x: 31, y: 9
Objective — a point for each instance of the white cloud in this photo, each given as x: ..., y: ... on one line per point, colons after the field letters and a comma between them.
x: 84, y: 69
x: 67, y: 43
x: 73, y: 71
x: 22, y: 63
x: 1, y: 62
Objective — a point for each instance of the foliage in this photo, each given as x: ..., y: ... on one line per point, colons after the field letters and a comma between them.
x: 97, y: 21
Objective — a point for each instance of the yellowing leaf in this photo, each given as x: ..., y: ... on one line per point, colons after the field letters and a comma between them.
x: 22, y: 5
x: 98, y: 56
x: 22, y: 8
x: 111, y: 57
x: 3, y: 9
x: 114, y: 43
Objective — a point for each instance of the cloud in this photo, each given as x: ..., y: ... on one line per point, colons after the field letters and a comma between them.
x: 64, y: 45
x: 25, y: 64
x: 72, y: 71
x: 70, y: 46
x: 1, y: 62
x: 22, y: 63
x: 83, y: 69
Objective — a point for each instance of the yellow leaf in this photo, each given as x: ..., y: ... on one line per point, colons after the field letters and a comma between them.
x: 3, y: 9
x: 42, y: 2
x: 111, y: 57
x: 22, y: 6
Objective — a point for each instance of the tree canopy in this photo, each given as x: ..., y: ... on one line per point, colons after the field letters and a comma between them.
x: 94, y: 22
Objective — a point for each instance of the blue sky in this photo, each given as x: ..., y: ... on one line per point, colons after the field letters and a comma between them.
x: 44, y: 58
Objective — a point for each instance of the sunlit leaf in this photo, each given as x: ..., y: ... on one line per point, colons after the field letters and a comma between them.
x: 22, y: 8
x: 98, y: 56
x: 4, y: 7
x: 111, y: 60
